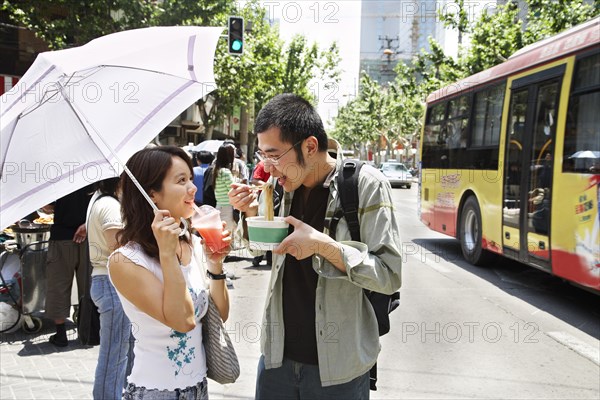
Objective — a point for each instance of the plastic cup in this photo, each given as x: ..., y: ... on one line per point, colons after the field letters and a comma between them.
x: 207, y: 221
x: 266, y: 235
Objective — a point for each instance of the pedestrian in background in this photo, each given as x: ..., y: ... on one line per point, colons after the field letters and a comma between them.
x: 204, y: 159
x: 239, y: 167
x: 318, y: 282
x: 67, y: 258
x: 115, y: 357
x: 222, y: 178
x: 158, y: 273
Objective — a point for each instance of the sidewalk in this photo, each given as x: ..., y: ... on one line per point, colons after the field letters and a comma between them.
x: 32, y: 368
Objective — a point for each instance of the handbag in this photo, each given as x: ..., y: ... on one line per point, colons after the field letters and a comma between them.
x: 88, y: 321
x: 221, y: 361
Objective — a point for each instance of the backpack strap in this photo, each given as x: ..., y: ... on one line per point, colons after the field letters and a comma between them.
x: 347, y: 182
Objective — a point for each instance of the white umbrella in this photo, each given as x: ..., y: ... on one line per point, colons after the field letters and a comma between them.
x: 208, y: 145
x: 585, y: 154
x: 78, y: 114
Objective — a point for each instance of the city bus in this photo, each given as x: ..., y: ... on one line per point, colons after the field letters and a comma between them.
x: 510, y: 158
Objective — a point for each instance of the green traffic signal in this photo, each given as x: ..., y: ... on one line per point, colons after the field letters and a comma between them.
x: 236, y: 45
x: 235, y: 35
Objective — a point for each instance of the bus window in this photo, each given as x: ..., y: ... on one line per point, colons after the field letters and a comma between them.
x: 458, y: 107
x: 438, y: 113
x: 540, y: 179
x: 488, y: 114
x: 514, y: 158
x: 582, y: 132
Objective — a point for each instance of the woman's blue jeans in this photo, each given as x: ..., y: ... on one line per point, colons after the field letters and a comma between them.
x: 116, y: 342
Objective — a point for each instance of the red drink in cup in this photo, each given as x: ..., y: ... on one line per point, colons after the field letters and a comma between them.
x: 207, y: 221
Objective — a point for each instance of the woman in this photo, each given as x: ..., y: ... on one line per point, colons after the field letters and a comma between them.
x: 222, y: 179
x: 103, y: 223
x: 157, y: 274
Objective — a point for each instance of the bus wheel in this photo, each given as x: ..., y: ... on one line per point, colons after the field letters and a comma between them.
x: 470, y: 233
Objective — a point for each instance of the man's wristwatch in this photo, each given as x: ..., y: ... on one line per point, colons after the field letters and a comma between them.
x: 215, y: 277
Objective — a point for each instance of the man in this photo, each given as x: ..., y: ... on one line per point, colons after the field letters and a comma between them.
x: 320, y: 335
x: 204, y: 159
x: 67, y: 257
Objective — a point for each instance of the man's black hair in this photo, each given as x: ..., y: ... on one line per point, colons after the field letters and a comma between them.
x: 295, y: 117
x: 205, y: 157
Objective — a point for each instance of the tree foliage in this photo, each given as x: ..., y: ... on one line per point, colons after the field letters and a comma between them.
x: 66, y: 23
x: 397, y: 109
x: 266, y: 68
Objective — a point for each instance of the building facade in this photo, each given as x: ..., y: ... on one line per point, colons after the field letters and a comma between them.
x: 392, y: 31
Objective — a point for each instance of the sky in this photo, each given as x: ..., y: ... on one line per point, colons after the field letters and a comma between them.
x: 325, y: 22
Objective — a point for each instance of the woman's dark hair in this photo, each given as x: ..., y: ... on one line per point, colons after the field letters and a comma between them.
x: 225, y: 157
x: 149, y: 166
x: 295, y: 117
x: 108, y: 186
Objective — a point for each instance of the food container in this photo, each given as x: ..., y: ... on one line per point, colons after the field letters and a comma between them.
x: 266, y: 235
x: 27, y: 233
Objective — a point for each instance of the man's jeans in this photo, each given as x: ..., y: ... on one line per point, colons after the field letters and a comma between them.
x: 115, y: 358
x: 294, y: 380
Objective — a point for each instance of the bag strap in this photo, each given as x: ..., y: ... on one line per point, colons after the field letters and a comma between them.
x: 347, y: 182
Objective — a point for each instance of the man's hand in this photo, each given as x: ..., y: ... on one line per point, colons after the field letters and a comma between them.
x: 306, y: 241
x: 80, y: 234
x: 303, y: 242
x: 243, y: 198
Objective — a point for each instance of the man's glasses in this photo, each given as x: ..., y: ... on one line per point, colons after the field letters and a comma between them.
x: 274, y: 160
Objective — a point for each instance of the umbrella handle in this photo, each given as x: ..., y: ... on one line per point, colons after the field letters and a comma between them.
x: 149, y: 200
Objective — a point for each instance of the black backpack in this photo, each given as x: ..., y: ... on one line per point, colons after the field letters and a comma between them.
x: 383, y: 304
x: 208, y: 191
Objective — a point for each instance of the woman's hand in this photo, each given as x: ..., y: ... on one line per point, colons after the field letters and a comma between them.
x: 215, y: 258
x: 243, y: 198
x: 166, y: 230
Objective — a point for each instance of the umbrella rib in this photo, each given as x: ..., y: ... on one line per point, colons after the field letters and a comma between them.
x: 33, y: 85
x: 191, y: 42
x: 48, y: 183
x: 114, y: 154
x: 150, y: 70
x: 152, y: 113
x: 43, y: 101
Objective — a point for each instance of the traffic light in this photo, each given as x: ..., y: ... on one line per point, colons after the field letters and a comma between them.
x: 235, y: 43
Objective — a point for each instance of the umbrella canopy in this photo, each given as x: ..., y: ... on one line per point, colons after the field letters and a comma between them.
x: 208, y: 145
x: 77, y: 114
x: 585, y: 154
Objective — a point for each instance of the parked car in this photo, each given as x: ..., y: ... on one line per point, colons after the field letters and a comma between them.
x: 397, y: 174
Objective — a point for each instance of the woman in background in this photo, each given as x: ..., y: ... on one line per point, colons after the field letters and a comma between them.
x: 222, y: 179
x: 114, y: 359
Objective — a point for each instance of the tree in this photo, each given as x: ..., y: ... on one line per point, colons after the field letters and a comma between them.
x: 245, y: 79
x: 265, y: 69
x: 493, y: 38
x: 496, y: 36
x: 458, y: 20
x: 65, y: 23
